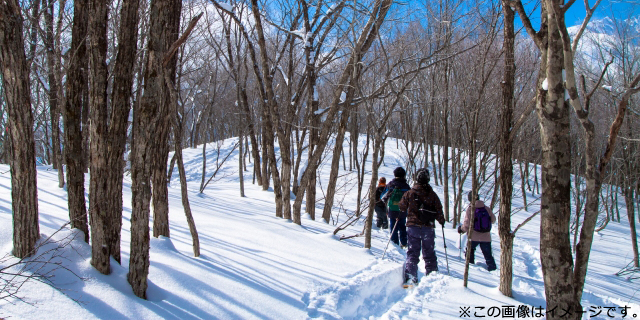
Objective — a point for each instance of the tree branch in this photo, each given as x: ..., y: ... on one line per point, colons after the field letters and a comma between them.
x: 584, y: 23
x: 617, y: 123
x: 527, y: 23
x: 174, y: 47
x: 524, y: 222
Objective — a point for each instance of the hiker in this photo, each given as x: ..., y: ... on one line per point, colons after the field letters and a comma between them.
x: 481, y: 235
x: 392, y: 196
x: 423, y: 208
x: 381, y: 208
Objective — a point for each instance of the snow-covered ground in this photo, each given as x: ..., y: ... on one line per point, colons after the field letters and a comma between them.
x: 254, y: 265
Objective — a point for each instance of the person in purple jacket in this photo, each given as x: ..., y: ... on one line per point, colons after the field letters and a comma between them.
x: 478, y: 237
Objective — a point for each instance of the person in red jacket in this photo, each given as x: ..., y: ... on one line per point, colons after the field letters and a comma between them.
x: 478, y: 237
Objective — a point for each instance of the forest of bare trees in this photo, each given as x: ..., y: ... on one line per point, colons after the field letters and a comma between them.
x: 473, y: 90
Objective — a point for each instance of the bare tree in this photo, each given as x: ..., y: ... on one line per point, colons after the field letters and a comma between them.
x: 116, y: 131
x: 76, y: 87
x: 98, y: 15
x: 15, y: 82
x: 149, y: 117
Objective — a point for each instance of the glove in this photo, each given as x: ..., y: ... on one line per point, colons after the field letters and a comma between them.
x: 460, y: 230
x: 441, y: 220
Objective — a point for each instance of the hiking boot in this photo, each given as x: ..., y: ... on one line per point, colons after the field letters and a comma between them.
x: 410, y: 282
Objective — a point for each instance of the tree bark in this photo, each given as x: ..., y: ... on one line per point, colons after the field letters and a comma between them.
x: 55, y: 93
x: 100, y: 224
x: 15, y: 74
x: 506, y: 154
x: 150, y: 115
x: 445, y: 164
x: 76, y: 88
x: 169, y: 21
x: 555, y: 209
x: 117, y: 134
x: 632, y: 223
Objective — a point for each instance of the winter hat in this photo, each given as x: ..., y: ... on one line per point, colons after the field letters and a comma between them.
x: 470, y: 195
x: 382, y: 182
x: 399, y: 172
x: 422, y: 176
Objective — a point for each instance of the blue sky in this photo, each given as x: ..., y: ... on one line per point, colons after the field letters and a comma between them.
x: 619, y: 8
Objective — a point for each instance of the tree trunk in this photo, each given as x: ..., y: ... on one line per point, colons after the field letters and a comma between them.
x: 86, y: 153
x: 445, y: 121
x: 265, y: 156
x: 335, y: 166
x: 160, y: 198
x: 506, y: 153
x: 252, y: 135
x: 372, y: 190
x: 151, y: 114
x: 629, y: 199
x: 53, y: 64
x: 72, y: 115
x: 522, y: 184
x: 100, y: 223
x: 240, y: 171
x: 474, y: 187
x: 555, y: 209
x: 15, y: 74
x: 120, y: 107
x: 177, y: 112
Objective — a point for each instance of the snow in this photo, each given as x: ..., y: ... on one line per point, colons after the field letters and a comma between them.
x: 608, y: 88
x: 545, y: 84
x: 254, y: 265
x: 343, y: 97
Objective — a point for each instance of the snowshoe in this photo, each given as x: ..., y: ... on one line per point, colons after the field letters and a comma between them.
x: 409, y: 284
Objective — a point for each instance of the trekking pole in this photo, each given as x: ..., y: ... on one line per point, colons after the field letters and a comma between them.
x: 445, y: 250
x: 392, y: 231
x: 460, y: 243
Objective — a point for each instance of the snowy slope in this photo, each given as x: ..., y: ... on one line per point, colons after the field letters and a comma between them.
x: 256, y: 266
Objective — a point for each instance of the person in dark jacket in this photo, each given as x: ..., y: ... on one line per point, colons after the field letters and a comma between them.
x: 482, y: 239
x: 423, y: 208
x: 381, y: 208
x: 397, y: 218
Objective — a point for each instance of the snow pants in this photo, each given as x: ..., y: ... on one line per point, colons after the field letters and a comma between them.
x: 381, y: 217
x: 486, y: 251
x: 420, y: 238
x: 400, y: 229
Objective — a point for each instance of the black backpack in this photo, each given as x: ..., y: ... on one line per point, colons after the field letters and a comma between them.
x: 426, y: 214
x: 481, y: 220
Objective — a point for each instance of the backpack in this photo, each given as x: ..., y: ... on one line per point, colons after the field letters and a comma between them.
x: 481, y: 220
x: 394, y: 199
x: 425, y: 214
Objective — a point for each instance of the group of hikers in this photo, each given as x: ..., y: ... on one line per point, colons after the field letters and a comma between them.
x: 410, y: 212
